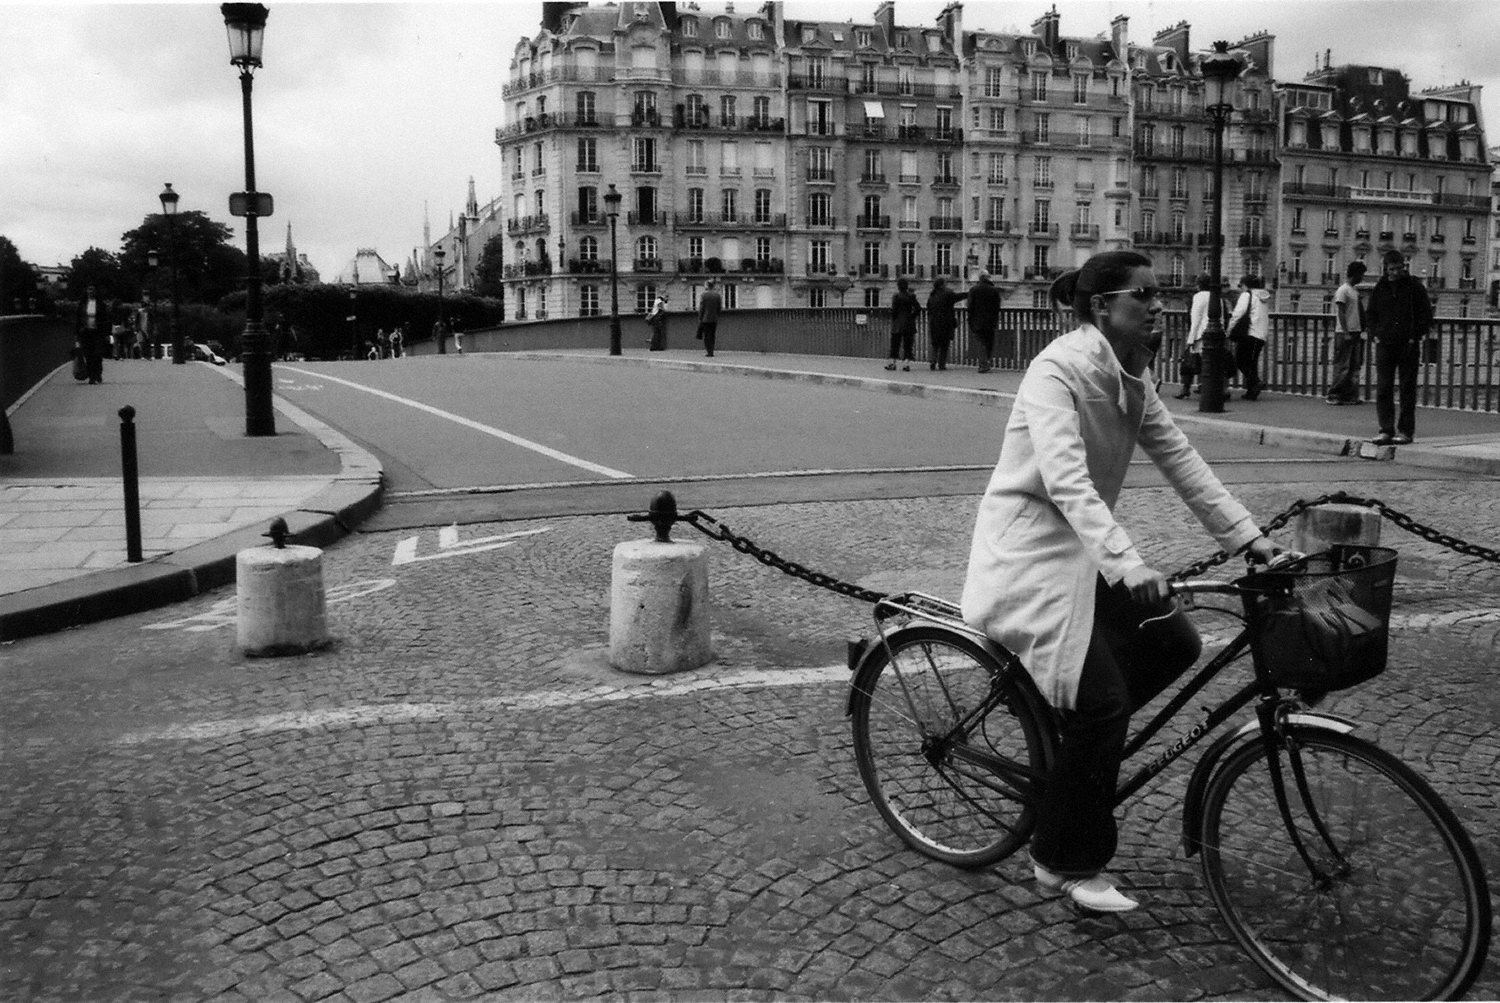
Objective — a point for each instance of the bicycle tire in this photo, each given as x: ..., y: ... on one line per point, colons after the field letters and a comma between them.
x: 1409, y: 916
x: 918, y: 769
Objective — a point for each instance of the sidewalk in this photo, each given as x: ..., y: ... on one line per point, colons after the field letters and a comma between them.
x: 1447, y: 439
x: 206, y: 491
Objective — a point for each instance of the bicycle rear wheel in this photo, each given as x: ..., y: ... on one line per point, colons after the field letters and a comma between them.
x: 1399, y: 908
x: 951, y: 747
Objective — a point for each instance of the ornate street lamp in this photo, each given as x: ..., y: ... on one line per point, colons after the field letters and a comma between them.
x: 169, y: 209
x: 246, y: 24
x: 612, y: 210
x: 442, y: 332
x: 1220, y: 69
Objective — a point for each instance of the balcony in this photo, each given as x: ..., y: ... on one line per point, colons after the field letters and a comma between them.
x: 695, y: 169
x: 872, y: 222
x: 874, y: 271
x: 589, y: 217
x: 707, y: 219
x: 645, y: 167
x: 646, y: 265
x: 1254, y: 240
x: 945, y: 271
x: 590, y: 266
x: 753, y: 124
x: 648, y: 218
x: 545, y: 121
x: 648, y: 118
x: 909, y: 224
x: 1410, y: 237
x: 1468, y: 283
x: 997, y: 226
x: 909, y: 179
x: 1438, y: 238
x: 596, y: 74
x: 820, y: 221
x: 768, y: 219
x: 586, y: 167
x: 1387, y: 234
x: 1041, y: 272
x: 822, y: 129
x: 528, y: 269
x: 946, y: 179
x: 1296, y: 278
x: 835, y: 82
x: 1314, y: 190
x: 1083, y: 232
x: 1469, y: 238
x: 820, y: 174
x: 524, y: 224
x: 729, y: 171
x: 1361, y: 234
x: 821, y: 270
x: 1333, y: 233
x: 1042, y: 230
x: 911, y: 271
x: 1043, y: 183
x: 945, y: 223
x: 872, y: 179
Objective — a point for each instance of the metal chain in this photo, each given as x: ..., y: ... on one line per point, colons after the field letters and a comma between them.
x: 714, y: 529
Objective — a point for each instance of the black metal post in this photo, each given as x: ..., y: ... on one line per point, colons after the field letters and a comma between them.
x: 614, y: 288
x: 178, y: 354
x: 131, y: 478
x: 255, y: 348
x: 442, y: 338
x: 1212, y: 383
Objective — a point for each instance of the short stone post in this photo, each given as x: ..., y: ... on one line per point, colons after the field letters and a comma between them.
x: 659, y: 607
x: 282, y: 607
x: 1322, y: 526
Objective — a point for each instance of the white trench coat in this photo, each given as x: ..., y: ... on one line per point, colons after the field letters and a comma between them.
x: 1046, y: 524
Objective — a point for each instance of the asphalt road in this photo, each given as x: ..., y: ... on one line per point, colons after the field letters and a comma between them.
x: 460, y: 435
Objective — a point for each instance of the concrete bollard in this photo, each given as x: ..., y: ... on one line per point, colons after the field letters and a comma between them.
x: 659, y: 608
x: 1320, y: 527
x: 282, y: 608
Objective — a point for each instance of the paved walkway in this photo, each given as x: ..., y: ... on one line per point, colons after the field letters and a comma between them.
x: 204, y: 487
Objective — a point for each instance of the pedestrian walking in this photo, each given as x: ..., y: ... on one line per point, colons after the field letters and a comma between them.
x: 1249, y: 326
x: 904, y: 310
x: 1349, y: 339
x: 709, y: 305
x: 1191, y: 363
x: 398, y: 341
x: 942, y: 321
x: 656, y: 317
x: 1399, y: 317
x: 439, y: 335
x: 984, y: 317
x: 1054, y: 578
x: 93, y: 315
x: 458, y: 336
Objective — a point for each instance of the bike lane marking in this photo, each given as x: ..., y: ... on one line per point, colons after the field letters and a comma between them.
x: 510, y: 437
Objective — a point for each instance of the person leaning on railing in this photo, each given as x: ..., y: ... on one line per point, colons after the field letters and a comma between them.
x: 1399, y: 316
x: 1349, y: 348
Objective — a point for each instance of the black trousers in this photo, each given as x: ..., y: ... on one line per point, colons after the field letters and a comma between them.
x: 1247, y: 360
x: 901, y: 345
x: 1392, y: 362
x: 706, y: 331
x: 940, y: 351
x: 984, y: 342
x: 1127, y: 666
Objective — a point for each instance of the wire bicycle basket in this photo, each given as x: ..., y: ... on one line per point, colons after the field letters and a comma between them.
x: 1322, y: 623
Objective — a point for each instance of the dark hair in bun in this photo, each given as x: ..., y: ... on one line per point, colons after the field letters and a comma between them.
x: 1102, y: 273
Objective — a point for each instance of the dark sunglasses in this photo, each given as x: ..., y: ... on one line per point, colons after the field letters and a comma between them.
x: 1138, y: 293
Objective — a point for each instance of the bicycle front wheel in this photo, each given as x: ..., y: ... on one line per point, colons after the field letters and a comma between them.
x: 951, y: 747
x: 1394, y: 904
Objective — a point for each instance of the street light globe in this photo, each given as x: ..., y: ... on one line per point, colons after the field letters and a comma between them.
x: 612, y: 201
x: 246, y: 23
x: 1220, y: 68
x: 168, y: 200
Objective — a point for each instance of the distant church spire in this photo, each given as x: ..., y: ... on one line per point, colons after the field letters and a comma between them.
x: 472, y: 209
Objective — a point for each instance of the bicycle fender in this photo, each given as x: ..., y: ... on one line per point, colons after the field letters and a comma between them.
x: 1192, y: 802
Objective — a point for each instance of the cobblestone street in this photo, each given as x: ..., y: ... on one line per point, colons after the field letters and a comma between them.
x: 461, y: 800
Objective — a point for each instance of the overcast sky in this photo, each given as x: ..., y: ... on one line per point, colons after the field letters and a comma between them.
x: 369, y: 115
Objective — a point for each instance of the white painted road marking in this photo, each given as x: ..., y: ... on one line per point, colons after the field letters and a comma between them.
x: 449, y: 545
x: 225, y: 612
x: 470, y: 423
x: 361, y: 715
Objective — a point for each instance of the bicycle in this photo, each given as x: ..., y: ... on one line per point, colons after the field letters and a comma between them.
x: 1337, y: 868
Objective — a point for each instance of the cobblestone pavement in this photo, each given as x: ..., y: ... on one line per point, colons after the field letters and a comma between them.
x: 459, y: 800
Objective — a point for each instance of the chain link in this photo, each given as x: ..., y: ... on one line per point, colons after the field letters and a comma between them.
x: 714, y: 529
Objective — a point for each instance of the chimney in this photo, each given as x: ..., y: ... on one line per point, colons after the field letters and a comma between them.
x: 885, y: 16
x: 669, y: 15
x: 1176, y: 39
x: 1048, y: 28
x: 1119, y: 37
x: 552, y: 15
x: 952, y: 22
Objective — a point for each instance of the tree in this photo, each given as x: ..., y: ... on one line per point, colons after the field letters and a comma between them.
x: 18, y: 281
x: 487, y: 277
x: 99, y: 268
x: 209, y: 266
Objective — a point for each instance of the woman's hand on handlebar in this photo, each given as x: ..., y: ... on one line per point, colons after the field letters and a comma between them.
x: 1262, y: 551
x: 1146, y: 585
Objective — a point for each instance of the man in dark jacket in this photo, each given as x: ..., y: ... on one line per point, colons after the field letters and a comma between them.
x: 709, y: 305
x: 93, y: 321
x: 942, y: 321
x: 984, y: 317
x: 1398, y: 318
x: 904, y: 310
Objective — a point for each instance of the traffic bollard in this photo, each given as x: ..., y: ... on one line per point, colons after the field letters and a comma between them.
x: 130, y: 476
x: 1322, y: 526
x: 659, y: 604
x: 282, y: 607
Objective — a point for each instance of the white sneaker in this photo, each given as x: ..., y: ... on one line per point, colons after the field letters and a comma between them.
x: 1097, y: 894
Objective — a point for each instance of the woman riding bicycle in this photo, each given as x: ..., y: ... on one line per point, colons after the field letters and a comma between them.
x: 1056, y: 580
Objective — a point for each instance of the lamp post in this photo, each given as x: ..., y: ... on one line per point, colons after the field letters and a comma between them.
x: 1220, y: 68
x: 612, y: 210
x: 442, y: 331
x: 169, y: 209
x: 246, y: 24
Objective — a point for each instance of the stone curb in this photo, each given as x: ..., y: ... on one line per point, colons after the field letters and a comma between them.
x: 1265, y: 435
x: 319, y: 521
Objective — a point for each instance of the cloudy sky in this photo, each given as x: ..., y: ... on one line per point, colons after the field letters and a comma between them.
x: 367, y: 116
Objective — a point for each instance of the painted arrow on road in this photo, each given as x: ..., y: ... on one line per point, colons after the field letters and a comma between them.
x: 449, y: 545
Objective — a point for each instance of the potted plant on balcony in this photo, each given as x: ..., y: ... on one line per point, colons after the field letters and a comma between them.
x: 713, y: 265
x: 747, y: 265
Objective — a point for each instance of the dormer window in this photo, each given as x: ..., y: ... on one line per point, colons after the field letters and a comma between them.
x: 721, y: 29
x: 689, y: 26
x: 1377, y: 78
x: 862, y: 37
x: 809, y: 34
x: 902, y: 40
x: 1168, y: 62
x: 756, y: 32
x: 1072, y: 50
x: 934, y: 43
